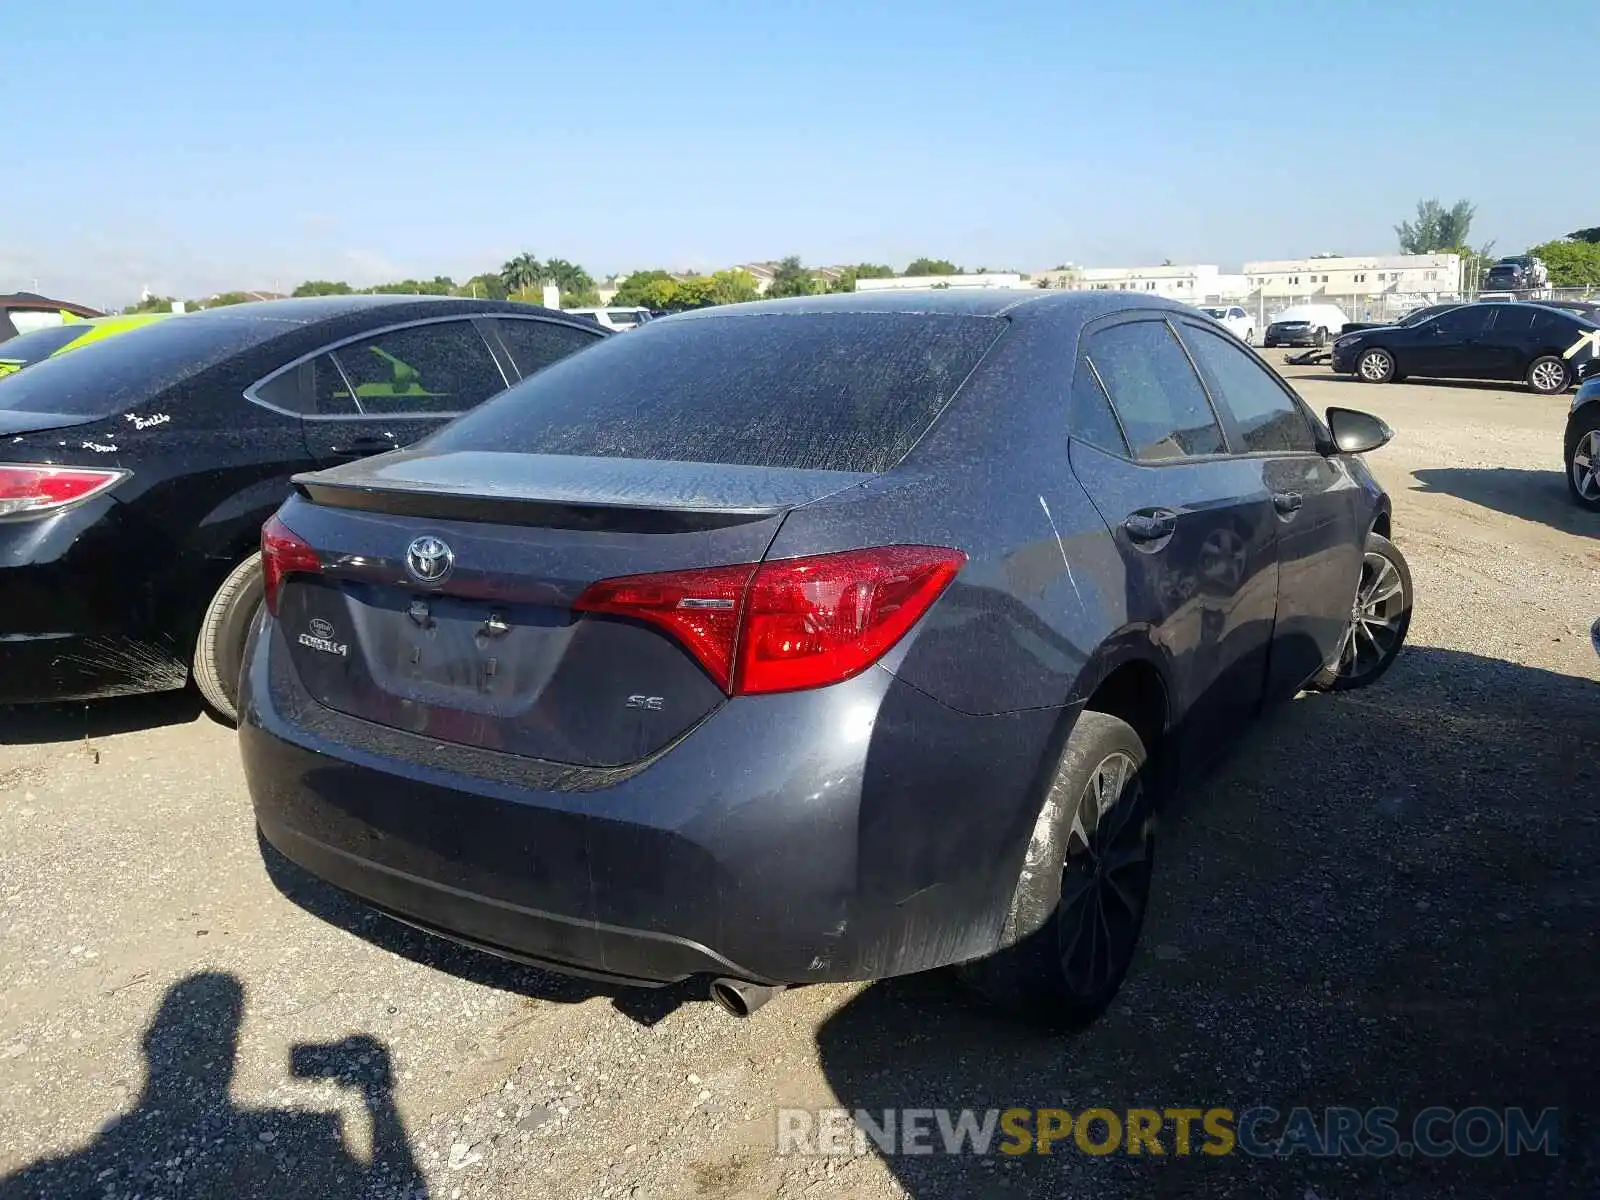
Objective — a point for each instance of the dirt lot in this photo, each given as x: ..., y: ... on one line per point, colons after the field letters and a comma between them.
x: 1387, y: 898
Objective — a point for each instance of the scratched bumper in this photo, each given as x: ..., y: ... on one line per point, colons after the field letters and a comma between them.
x: 852, y: 832
x: 84, y: 606
x: 43, y: 668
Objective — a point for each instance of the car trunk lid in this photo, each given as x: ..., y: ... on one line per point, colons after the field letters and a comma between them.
x: 445, y: 600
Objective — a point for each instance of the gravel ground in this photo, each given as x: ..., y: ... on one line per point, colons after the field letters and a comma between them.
x: 1385, y: 898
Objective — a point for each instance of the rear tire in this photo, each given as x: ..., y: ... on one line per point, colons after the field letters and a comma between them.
x: 1549, y: 375
x: 1321, y: 338
x: 219, y: 650
x: 1098, y: 855
x: 1379, y: 620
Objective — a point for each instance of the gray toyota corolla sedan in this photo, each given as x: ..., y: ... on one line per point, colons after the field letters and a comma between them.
x: 819, y: 639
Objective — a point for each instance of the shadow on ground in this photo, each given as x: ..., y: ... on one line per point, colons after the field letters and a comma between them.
x: 1540, y: 496
x: 35, y: 724
x: 646, y: 1006
x: 1387, y: 897
x: 186, y: 1139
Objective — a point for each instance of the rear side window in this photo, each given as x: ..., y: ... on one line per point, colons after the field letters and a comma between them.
x: 443, y: 367
x: 1266, y: 416
x: 535, y: 344
x: 1091, y: 419
x: 822, y: 391
x: 1157, y: 394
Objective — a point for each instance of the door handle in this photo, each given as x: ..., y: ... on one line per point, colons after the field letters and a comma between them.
x: 1287, y: 503
x: 1152, y: 525
x: 363, y: 448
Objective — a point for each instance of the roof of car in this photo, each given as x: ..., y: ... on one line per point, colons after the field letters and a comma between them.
x: 1028, y: 303
x: 34, y: 300
x: 303, y: 310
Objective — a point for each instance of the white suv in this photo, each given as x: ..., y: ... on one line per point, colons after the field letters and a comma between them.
x: 1235, y: 318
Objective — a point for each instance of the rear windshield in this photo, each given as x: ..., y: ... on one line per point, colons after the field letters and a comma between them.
x: 102, y: 379
x: 821, y: 391
x: 29, y: 348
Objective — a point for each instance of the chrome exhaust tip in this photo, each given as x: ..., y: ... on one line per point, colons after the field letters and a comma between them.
x: 741, y: 998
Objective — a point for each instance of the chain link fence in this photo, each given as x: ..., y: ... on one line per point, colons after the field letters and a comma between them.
x: 1386, y: 306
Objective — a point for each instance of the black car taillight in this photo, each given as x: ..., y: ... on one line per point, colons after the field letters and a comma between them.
x: 283, y: 553
x: 38, y: 489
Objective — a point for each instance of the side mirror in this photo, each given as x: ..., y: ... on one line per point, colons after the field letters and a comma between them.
x: 1356, y: 432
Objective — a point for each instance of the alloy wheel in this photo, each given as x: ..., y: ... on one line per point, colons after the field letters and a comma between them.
x: 1549, y: 376
x: 1375, y: 365
x: 1586, y: 466
x: 1377, y: 619
x: 1106, y: 881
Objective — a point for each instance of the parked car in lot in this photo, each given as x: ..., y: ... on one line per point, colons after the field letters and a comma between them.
x: 1517, y: 273
x: 1235, y: 319
x: 53, y: 341
x: 615, y: 318
x: 1587, y: 309
x: 1581, y: 445
x: 23, y: 312
x: 1305, y: 325
x: 135, y: 474
x: 818, y: 639
x: 1476, y: 341
x: 1415, y: 317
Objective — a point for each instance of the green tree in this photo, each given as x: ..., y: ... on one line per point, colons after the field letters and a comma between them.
x: 152, y: 304
x: 1572, y: 263
x: 791, y: 279
x: 872, y: 271
x: 323, y: 287
x: 646, y: 289
x: 1591, y: 235
x: 228, y: 298
x: 932, y: 266
x: 521, y: 274
x: 693, y: 293
x: 488, y: 286
x: 1436, y: 228
x: 733, y: 286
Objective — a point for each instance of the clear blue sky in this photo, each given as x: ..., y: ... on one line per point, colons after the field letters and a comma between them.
x: 198, y: 146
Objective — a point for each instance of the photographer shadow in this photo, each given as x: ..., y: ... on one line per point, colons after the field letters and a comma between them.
x: 185, y: 1137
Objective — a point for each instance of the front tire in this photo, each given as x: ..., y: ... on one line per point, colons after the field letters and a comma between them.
x: 1583, y: 462
x: 1380, y: 615
x: 1098, y: 856
x: 1375, y: 366
x: 1549, y: 376
x: 219, y: 650
x: 1321, y: 338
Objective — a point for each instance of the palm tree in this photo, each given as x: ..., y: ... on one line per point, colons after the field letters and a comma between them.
x: 521, y: 273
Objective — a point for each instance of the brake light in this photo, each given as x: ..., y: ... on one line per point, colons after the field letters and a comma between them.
x: 790, y: 624
x: 28, y: 490
x: 283, y: 553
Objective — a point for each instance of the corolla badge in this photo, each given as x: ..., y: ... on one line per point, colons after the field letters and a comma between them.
x: 429, y: 559
x: 320, y: 637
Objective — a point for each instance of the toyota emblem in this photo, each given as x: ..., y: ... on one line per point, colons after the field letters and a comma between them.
x: 429, y: 560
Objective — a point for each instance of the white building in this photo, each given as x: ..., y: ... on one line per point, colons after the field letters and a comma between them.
x: 907, y: 282
x: 1355, y: 278
x: 1192, y: 283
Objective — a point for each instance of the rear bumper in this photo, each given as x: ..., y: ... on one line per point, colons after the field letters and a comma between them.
x: 75, y: 600
x: 853, y: 832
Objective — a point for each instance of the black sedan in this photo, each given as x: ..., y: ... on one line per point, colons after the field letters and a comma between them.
x: 135, y: 474
x: 1415, y: 317
x: 1543, y: 347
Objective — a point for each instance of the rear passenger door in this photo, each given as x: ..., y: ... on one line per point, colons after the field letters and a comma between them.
x: 1313, y: 504
x: 1192, y: 522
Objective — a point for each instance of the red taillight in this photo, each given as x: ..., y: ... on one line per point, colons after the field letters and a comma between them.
x: 790, y: 624
x: 27, y: 489
x: 282, y: 554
